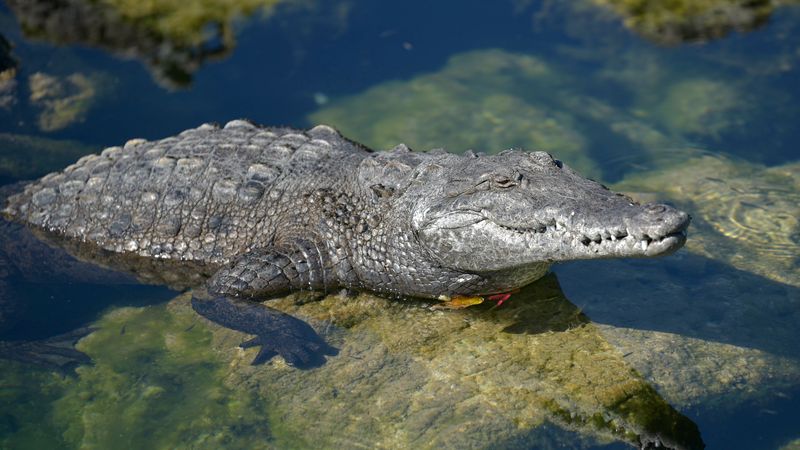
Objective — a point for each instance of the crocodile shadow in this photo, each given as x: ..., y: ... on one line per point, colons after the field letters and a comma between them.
x: 690, y: 296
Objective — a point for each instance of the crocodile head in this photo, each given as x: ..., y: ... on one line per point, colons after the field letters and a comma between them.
x: 517, y: 209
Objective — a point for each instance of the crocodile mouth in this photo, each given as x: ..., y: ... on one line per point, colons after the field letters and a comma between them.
x: 465, y: 232
x: 599, y: 243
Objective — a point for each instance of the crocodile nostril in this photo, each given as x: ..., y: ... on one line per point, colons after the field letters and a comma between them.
x: 655, y: 208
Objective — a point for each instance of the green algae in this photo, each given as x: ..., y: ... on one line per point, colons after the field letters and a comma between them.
x: 701, y: 107
x: 26, y: 395
x: 473, y: 102
x: 793, y: 445
x: 25, y: 157
x: 154, y: 384
x: 489, y: 100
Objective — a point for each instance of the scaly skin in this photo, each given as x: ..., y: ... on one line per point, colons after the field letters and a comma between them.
x: 271, y: 210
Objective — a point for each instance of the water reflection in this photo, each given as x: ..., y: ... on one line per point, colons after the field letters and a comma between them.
x: 8, y: 73
x: 173, y: 38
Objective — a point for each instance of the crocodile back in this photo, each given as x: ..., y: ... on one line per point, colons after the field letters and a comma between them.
x: 207, y: 194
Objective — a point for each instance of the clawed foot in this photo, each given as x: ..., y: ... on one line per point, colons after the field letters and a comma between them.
x: 277, y: 333
x: 501, y: 298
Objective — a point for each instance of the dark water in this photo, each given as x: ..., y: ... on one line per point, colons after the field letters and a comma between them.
x: 703, y: 117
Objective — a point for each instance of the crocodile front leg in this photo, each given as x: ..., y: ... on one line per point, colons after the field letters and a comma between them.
x: 274, y: 271
x: 262, y: 274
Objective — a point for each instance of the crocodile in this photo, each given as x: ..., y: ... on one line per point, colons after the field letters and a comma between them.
x: 257, y: 212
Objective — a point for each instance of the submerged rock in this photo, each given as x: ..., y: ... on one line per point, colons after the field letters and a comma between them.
x: 406, y: 376
x: 155, y: 384
x: 705, y: 334
x: 471, y: 103
x: 745, y: 214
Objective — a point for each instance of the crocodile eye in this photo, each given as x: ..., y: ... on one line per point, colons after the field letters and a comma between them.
x: 504, y: 182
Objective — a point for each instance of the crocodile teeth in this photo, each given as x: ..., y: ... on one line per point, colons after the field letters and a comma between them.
x: 643, y: 244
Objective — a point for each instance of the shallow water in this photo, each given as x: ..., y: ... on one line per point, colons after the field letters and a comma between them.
x: 603, y: 354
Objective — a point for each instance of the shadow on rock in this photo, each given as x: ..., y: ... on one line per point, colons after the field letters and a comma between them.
x: 277, y: 333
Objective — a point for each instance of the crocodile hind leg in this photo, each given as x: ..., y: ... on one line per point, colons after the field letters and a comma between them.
x: 259, y: 275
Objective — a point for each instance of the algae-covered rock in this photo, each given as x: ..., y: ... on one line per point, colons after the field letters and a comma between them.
x: 26, y: 157
x: 685, y: 104
x: 407, y: 376
x: 745, y: 214
x: 64, y: 101
x: 27, y: 395
x: 155, y: 384
x: 702, y: 107
x: 473, y: 102
x: 793, y: 445
x: 676, y: 21
x: 173, y: 37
